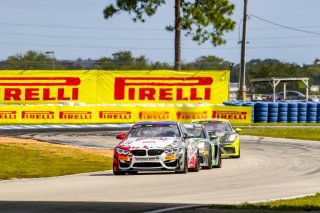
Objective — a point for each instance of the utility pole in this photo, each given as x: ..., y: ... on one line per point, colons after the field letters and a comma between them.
x: 242, y: 88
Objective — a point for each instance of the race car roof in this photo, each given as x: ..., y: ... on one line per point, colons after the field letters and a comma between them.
x: 209, y: 119
x: 157, y: 122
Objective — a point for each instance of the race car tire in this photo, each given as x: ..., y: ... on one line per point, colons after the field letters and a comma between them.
x: 185, y: 164
x: 219, y: 164
x: 197, y: 168
x: 209, y: 160
x: 117, y: 172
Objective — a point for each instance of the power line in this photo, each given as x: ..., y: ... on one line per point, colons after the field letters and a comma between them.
x: 125, y: 29
x: 146, y: 39
x: 158, y: 48
x: 283, y: 26
x: 80, y: 27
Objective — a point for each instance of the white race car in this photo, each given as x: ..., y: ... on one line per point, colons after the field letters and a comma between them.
x: 159, y: 145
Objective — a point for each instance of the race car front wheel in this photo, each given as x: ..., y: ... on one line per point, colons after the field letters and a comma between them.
x: 209, y: 156
x: 219, y: 163
x: 185, y: 164
x: 117, y: 172
x: 197, y: 166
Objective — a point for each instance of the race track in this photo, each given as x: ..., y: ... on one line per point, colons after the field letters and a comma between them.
x: 268, y: 169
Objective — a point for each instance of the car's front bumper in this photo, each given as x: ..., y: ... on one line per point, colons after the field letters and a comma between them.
x: 149, y: 163
x: 230, y: 149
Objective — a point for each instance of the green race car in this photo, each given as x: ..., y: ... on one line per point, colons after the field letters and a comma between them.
x: 229, y: 138
x: 209, y: 148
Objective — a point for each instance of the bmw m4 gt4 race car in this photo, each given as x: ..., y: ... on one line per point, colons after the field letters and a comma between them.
x: 209, y: 148
x: 229, y: 138
x: 156, y: 146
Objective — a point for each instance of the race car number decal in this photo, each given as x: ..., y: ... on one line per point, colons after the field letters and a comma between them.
x: 146, y: 158
x: 170, y: 157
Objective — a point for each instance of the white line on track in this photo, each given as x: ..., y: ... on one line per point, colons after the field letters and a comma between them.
x: 173, y: 208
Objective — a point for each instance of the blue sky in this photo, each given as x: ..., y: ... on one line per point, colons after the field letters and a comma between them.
x: 77, y: 29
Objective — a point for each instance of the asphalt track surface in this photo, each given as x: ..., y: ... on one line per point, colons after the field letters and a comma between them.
x: 268, y: 169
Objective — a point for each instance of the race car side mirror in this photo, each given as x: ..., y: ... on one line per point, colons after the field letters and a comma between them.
x: 213, y: 137
x: 121, y: 136
x: 187, y: 136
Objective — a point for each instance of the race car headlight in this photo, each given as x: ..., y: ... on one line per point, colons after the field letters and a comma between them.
x: 122, y: 151
x: 232, y: 137
x: 201, y: 145
x: 172, y: 150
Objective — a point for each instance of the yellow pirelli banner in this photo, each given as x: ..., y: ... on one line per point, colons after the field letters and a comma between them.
x: 113, y: 87
x: 119, y: 114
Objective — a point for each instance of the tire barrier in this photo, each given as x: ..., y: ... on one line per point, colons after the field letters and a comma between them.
x: 282, y: 112
x: 293, y: 112
x: 302, y: 112
x: 252, y: 106
x: 311, y: 112
x: 261, y: 112
x: 273, y: 109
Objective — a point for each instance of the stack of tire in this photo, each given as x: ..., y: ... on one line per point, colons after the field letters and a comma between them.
x: 283, y: 112
x: 312, y: 112
x: 252, y: 106
x: 302, y: 112
x: 318, y: 112
x: 233, y: 103
x: 273, y: 112
x: 292, y: 112
x: 261, y: 112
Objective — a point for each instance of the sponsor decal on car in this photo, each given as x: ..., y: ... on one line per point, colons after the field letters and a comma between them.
x: 170, y: 157
x: 146, y: 158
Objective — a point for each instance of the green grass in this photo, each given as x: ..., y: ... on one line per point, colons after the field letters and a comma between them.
x: 294, y: 133
x: 38, y: 159
x: 307, y: 203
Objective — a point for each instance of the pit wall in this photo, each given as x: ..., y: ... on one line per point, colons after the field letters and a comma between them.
x: 113, y: 113
x: 282, y: 112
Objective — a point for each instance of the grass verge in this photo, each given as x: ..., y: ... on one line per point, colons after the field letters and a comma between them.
x: 294, y: 133
x: 307, y: 203
x: 32, y: 159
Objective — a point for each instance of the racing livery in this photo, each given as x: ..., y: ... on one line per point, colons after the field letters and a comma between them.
x: 209, y: 147
x: 229, y: 138
x: 162, y: 145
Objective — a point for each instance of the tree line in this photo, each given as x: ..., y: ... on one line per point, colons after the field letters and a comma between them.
x: 124, y: 60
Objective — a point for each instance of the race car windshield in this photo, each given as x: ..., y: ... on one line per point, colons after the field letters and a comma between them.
x: 217, y: 126
x: 154, y: 131
x: 197, y: 132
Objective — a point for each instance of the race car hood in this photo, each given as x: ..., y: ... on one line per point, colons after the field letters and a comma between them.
x: 149, y: 143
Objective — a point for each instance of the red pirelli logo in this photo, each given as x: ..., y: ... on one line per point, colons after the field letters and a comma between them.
x: 191, y: 115
x: 115, y: 115
x: 154, y: 115
x: 52, y: 88
x: 71, y: 115
x: 233, y: 115
x: 8, y: 114
x: 161, y: 88
x: 42, y: 115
